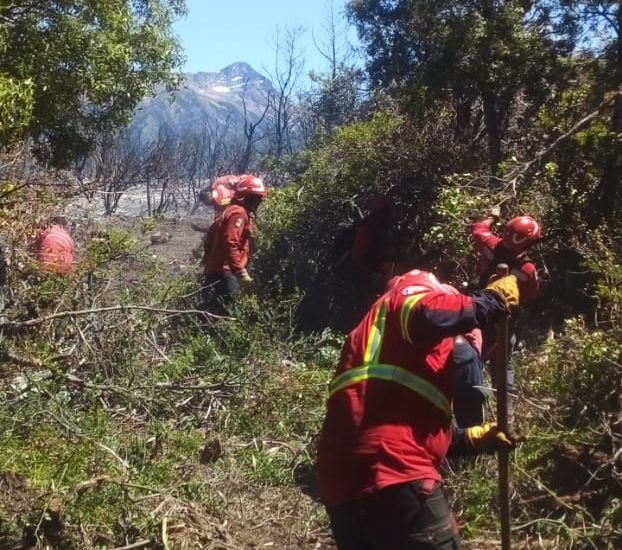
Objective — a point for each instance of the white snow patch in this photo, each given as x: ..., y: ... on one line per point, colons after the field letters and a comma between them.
x: 221, y: 89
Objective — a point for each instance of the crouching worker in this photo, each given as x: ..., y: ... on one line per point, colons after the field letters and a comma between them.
x: 227, y: 247
x: 388, y: 425
x: 55, y: 247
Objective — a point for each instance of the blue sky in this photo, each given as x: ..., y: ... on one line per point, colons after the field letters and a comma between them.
x: 217, y: 33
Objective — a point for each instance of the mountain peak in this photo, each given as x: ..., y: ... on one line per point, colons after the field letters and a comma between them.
x: 241, y: 70
x: 227, y: 98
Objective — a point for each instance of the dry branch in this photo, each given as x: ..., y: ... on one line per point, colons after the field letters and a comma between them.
x: 138, y: 544
x: 78, y: 312
x: 543, y: 154
x: 100, y: 480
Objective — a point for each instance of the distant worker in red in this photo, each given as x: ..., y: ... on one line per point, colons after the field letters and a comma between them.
x: 364, y: 260
x: 220, y: 193
x: 372, y: 245
x: 518, y: 235
x: 388, y: 425
x: 227, y: 246
x: 55, y: 247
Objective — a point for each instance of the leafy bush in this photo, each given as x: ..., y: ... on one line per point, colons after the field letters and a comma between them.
x: 580, y: 372
x: 113, y: 245
x: 16, y: 104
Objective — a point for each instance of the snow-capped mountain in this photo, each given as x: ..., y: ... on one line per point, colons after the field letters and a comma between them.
x: 214, y: 100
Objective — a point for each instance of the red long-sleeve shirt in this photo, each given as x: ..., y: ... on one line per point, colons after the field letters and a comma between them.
x: 378, y: 431
x: 490, y: 252
x: 227, y: 242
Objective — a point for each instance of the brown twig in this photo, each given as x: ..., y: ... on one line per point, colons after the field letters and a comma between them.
x: 78, y: 312
x: 541, y: 155
x: 100, y: 480
x: 138, y: 544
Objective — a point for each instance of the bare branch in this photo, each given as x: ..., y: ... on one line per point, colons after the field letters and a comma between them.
x: 75, y: 313
x: 543, y: 154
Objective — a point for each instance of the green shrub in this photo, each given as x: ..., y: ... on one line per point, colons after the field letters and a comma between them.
x: 115, y: 244
x: 16, y: 105
x: 579, y: 372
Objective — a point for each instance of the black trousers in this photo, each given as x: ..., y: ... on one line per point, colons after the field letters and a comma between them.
x: 408, y: 516
x: 470, y: 397
x: 218, y: 293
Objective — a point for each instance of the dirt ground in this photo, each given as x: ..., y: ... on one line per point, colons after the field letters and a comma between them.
x: 181, y: 249
x: 176, y: 242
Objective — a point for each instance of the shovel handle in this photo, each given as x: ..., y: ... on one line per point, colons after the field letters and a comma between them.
x: 501, y: 367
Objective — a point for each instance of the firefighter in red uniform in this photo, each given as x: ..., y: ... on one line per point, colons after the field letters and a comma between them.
x: 55, y: 247
x: 364, y: 254
x: 518, y: 235
x: 227, y: 245
x: 372, y: 246
x: 388, y: 424
x: 220, y: 193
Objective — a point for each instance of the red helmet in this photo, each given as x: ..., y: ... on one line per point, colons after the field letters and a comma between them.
x: 229, y: 181
x: 221, y: 195
x: 250, y: 185
x: 520, y: 233
x: 218, y: 196
x: 420, y: 282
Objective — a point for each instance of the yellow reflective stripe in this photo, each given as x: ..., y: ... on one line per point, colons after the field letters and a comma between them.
x: 376, y: 334
x: 392, y: 373
x: 407, y: 307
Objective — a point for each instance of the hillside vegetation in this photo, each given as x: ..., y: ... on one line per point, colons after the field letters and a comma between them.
x: 129, y: 419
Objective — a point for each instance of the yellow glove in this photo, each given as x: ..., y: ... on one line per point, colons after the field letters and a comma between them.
x: 487, y: 438
x: 507, y: 288
x: 245, y: 278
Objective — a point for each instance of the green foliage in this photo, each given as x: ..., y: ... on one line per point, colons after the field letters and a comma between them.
x: 581, y: 366
x: 115, y: 244
x: 265, y: 466
x: 460, y: 52
x: 337, y: 98
x: 49, y: 288
x: 604, y: 259
x: 383, y: 155
x: 198, y: 352
x: 579, y: 371
x: 456, y: 206
x: 150, y: 223
x: 475, y: 499
x: 169, y: 415
x: 76, y: 69
x: 16, y: 104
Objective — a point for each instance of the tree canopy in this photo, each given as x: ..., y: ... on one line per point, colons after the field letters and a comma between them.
x: 459, y: 52
x: 71, y: 70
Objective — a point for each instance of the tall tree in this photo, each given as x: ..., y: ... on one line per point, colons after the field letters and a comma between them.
x: 338, y: 91
x: 463, y: 52
x: 116, y: 164
x: 79, y: 67
x: 251, y: 135
x: 604, y: 19
x: 288, y: 67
